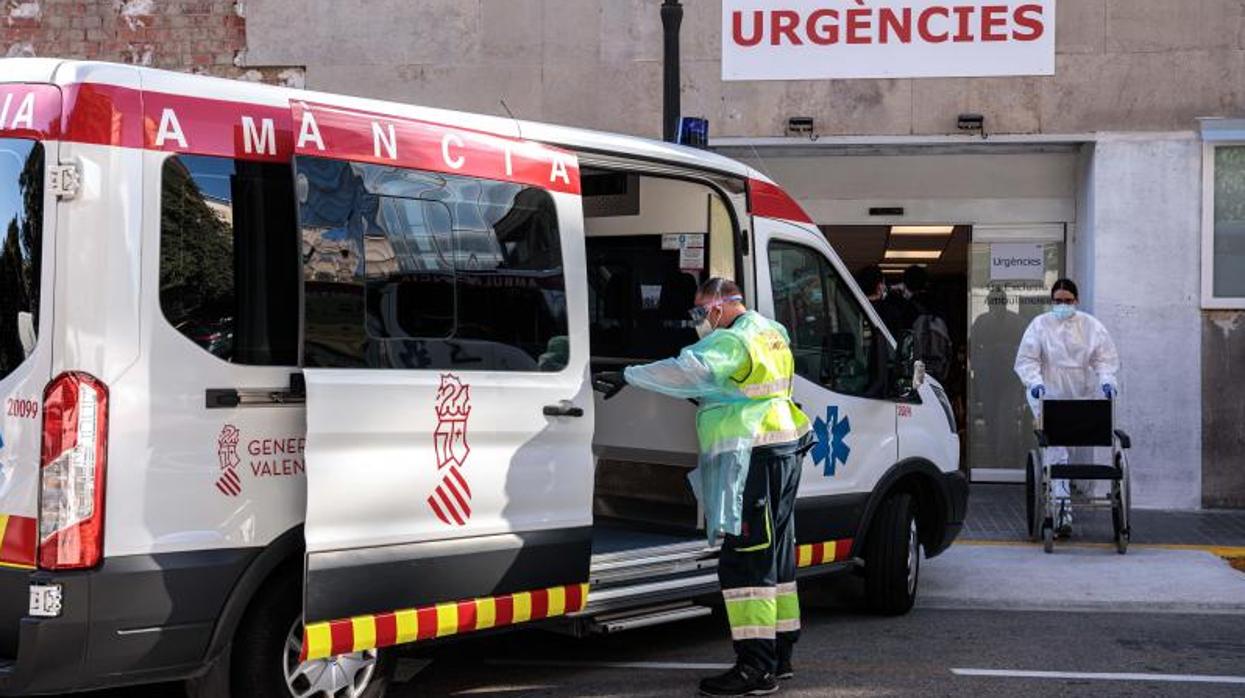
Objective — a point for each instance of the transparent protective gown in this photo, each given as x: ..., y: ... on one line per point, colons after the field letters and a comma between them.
x: 745, y: 401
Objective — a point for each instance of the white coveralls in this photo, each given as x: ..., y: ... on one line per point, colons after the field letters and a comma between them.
x: 1073, y: 358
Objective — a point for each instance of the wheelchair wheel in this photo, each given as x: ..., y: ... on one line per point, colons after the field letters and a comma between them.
x: 1121, y: 533
x: 1035, y: 508
x: 1121, y: 501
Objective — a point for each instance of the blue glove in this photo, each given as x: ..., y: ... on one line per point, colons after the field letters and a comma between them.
x: 1108, y: 390
x: 1037, y: 391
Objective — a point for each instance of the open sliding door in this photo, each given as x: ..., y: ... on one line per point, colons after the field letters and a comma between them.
x: 449, y: 411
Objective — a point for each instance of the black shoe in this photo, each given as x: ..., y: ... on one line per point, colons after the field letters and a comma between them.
x: 741, y: 680
x: 785, y: 672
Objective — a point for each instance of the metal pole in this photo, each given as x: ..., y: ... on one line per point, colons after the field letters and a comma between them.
x: 671, y: 19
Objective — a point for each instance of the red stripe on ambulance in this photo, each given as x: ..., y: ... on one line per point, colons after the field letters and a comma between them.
x: 18, y: 541
x: 111, y: 115
x: 334, y: 637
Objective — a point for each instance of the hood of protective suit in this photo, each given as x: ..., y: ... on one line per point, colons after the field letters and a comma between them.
x: 1073, y: 358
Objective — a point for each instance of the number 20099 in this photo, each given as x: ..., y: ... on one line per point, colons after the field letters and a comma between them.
x: 22, y: 409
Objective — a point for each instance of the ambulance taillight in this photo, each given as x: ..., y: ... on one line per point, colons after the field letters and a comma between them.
x: 71, y: 483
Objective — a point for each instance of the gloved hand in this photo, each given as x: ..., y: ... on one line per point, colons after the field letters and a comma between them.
x: 1109, y: 390
x: 608, y: 383
x: 1038, y: 391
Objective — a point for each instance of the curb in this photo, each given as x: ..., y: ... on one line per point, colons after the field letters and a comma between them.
x: 1224, y: 551
x: 1234, y: 555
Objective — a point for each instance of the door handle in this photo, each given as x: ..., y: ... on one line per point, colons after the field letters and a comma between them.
x: 229, y: 398
x: 563, y: 409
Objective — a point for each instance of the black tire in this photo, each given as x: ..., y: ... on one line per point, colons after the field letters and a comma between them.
x: 891, y: 580
x: 1117, y: 522
x: 256, y: 665
x: 1034, y: 511
x: 1048, y: 538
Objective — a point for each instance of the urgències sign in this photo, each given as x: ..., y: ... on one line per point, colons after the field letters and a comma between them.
x: 824, y: 39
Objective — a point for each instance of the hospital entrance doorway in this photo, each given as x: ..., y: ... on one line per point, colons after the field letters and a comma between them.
x: 987, y: 283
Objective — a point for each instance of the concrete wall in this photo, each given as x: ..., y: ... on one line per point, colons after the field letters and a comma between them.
x: 198, y: 36
x: 1145, y: 221
x: 1122, y: 65
x: 1223, y: 441
x: 996, y: 185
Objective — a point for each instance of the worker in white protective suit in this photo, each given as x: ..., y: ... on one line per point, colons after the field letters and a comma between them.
x: 1066, y: 354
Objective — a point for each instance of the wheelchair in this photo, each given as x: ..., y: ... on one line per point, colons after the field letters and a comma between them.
x: 1077, y: 423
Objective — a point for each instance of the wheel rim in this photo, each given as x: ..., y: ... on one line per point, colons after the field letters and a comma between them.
x: 914, y: 555
x: 343, y: 676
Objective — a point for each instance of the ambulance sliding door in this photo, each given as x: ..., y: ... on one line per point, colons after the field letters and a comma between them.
x: 449, y: 411
x: 841, y: 362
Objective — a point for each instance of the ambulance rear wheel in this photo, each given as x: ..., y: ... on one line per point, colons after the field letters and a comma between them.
x: 264, y: 662
x: 893, y: 557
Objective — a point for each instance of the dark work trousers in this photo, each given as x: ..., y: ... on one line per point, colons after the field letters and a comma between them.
x: 757, y: 568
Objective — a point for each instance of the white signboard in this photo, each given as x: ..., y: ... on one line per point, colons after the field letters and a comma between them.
x: 824, y: 39
x: 1017, y: 262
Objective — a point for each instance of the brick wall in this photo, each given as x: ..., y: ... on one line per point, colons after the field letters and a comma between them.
x: 199, y: 36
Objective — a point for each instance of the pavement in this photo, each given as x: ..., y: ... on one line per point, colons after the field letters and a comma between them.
x: 1022, y: 577
x: 997, y: 513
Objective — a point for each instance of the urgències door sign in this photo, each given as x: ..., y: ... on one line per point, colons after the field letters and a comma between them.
x: 824, y: 39
x: 1010, y: 261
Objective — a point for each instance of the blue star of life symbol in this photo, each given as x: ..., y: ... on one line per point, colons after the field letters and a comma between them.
x: 831, y: 447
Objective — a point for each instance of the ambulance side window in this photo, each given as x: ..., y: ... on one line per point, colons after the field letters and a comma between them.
x: 229, y: 262
x: 410, y: 269
x: 21, y: 246
x: 833, y: 342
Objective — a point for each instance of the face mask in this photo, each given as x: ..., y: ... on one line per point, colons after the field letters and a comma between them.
x: 1063, y: 312
x: 815, y: 297
x: 704, y: 328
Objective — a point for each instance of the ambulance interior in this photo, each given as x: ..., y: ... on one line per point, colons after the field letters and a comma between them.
x: 650, y: 242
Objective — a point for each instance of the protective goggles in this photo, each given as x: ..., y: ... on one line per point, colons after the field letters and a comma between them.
x: 701, y: 312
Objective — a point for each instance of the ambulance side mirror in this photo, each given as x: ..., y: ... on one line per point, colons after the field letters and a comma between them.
x: 907, y: 375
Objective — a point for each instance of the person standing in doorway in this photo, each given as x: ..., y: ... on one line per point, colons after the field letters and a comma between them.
x: 873, y: 282
x: 994, y: 336
x: 931, y: 340
x: 1066, y: 354
x: 752, y: 438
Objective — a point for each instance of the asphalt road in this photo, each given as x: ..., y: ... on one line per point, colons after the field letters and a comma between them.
x: 853, y: 655
x: 844, y: 653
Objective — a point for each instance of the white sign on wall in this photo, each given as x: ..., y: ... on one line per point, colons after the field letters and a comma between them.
x: 1017, y: 261
x: 823, y: 39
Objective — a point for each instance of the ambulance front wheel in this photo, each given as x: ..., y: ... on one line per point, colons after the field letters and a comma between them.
x: 264, y: 662
x: 893, y: 556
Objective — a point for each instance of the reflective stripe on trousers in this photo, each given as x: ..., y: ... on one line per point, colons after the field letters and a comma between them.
x: 788, y: 608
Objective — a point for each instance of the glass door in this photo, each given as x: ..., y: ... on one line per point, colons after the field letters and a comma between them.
x: 1011, y: 270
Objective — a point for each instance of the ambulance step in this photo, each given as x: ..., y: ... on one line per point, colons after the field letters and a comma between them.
x: 646, y: 617
x: 651, y: 563
x: 621, y: 597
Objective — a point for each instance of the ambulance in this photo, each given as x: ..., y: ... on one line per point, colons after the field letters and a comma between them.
x: 292, y: 379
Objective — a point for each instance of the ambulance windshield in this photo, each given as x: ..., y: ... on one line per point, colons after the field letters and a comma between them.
x: 21, y: 241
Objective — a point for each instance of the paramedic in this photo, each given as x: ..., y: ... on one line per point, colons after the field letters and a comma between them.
x: 752, y: 439
x: 1066, y: 355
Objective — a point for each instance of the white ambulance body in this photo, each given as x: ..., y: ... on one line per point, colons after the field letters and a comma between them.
x: 290, y: 378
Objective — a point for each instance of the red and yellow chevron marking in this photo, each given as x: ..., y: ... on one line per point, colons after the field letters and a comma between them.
x: 334, y: 637
x: 18, y: 541
x: 823, y: 553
